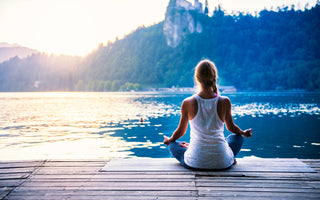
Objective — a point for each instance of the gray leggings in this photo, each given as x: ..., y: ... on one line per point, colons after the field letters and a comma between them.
x: 235, y: 142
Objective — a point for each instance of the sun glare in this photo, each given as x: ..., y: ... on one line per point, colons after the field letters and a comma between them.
x: 74, y: 27
x: 67, y: 29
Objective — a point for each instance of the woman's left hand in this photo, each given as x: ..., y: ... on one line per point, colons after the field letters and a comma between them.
x: 247, y: 133
x: 166, y: 140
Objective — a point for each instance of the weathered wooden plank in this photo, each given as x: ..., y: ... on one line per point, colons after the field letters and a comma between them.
x: 92, y: 193
x: 101, y: 176
x: 147, y: 173
x: 257, y: 181
x: 255, y: 174
x: 314, y: 165
x: 268, y: 160
x: 203, y: 172
x: 74, y: 164
x: 17, y: 170
x: 11, y: 183
x: 37, y: 176
x: 36, y: 197
x: 5, y: 189
x: 21, y: 161
x: 13, y: 176
x: 208, y: 190
x: 257, y: 194
x: 109, y: 188
x: 294, y: 185
x: 68, y: 170
x: 254, y: 180
x: 154, y: 198
x: 310, y: 160
x: 277, y: 163
x: 271, y: 197
x: 275, y: 169
x: 108, y: 184
x: 19, y: 165
x: 171, y: 186
x: 259, y: 174
x: 313, y: 162
x: 200, y: 181
x: 80, y: 160
x: 111, y: 180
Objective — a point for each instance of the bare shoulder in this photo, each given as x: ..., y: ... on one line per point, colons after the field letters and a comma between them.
x: 190, y: 106
x: 189, y: 101
x: 224, y: 99
x: 224, y: 103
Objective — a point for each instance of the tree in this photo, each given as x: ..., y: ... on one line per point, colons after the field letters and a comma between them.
x: 206, y: 9
x: 115, y: 85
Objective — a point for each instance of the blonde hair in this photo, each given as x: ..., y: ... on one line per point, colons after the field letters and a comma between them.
x: 206, y: 75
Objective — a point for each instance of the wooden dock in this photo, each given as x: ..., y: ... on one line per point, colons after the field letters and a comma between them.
x: 158, y: 179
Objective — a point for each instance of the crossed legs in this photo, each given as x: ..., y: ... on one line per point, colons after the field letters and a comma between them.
x: 235, y: 142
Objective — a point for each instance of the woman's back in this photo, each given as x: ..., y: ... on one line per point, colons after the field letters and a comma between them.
x: 206, y: 113
x: 207, y: 118
x: 208, y: 148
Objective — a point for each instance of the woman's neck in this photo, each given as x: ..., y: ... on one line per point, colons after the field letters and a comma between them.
x: 207, y: 94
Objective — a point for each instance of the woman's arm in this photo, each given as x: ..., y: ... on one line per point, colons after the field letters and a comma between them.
x: 229, y: 121
x: 183, y: 125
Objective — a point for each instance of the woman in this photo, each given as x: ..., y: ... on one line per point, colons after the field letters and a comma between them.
x: 207, y: 112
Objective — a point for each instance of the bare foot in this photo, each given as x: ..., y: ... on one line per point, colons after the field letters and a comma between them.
x: 234, y: 162
x: 184, y: 144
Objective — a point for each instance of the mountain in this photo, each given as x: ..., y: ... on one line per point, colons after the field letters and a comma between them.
x: 8, y: 51
x: 273, y: 50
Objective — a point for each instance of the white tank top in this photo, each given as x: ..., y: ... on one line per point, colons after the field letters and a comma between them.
x: 208, y: 148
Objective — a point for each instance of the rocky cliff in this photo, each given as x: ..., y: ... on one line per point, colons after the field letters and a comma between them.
x: 179, y: 21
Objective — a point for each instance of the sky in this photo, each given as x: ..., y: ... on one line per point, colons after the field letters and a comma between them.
x: 76, y: 27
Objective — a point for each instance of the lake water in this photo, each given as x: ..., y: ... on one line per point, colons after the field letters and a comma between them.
x: 73, y: 125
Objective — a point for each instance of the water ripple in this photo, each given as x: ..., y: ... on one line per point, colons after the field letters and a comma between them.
x: 290, y: 109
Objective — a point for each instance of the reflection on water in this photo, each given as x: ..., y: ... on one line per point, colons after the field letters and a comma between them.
x: 107, y: 125
x: 74, y: 125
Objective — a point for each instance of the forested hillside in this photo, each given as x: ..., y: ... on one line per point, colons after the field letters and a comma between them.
x: 270, y: 51
x: 39, y: 72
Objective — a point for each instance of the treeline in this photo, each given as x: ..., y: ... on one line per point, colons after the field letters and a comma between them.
x: 106, y: 86
x: 42, y: 72
x: 270, y: 51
